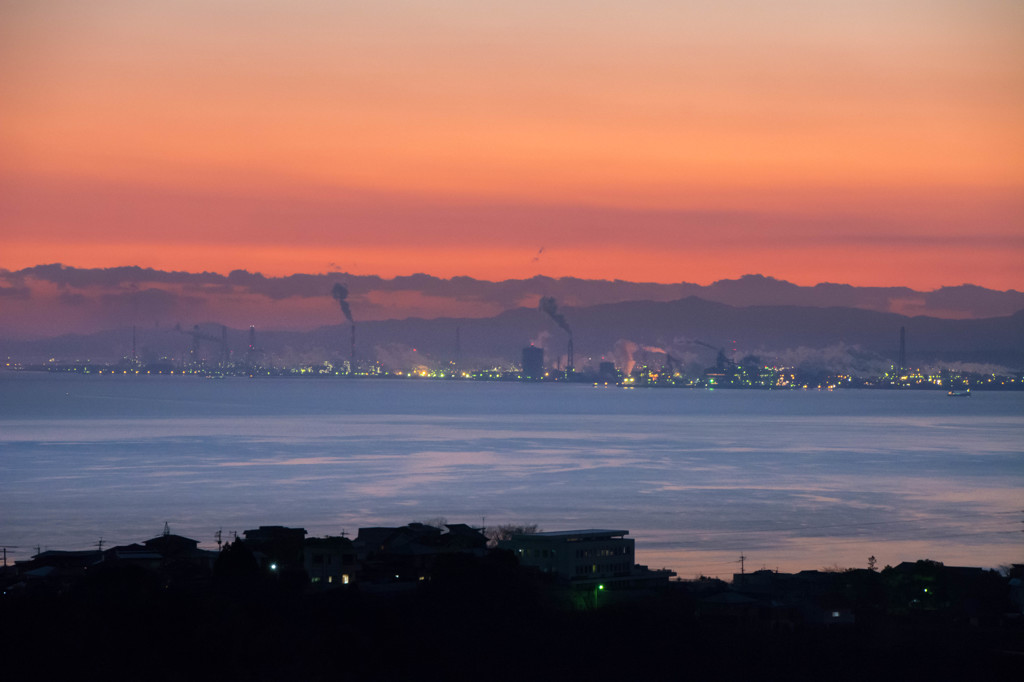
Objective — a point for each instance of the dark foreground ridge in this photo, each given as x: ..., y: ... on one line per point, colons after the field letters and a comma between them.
x: 419, y: 602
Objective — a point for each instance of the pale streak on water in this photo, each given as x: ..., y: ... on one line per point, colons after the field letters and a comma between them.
x: 791, y: 480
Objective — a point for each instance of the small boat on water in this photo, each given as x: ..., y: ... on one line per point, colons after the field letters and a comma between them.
x: 959, y: 393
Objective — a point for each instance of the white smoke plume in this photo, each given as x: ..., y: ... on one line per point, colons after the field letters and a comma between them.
x: 624, y: 353
x: 541, y: 340
x: 400, y: 357
x: 837, y: 358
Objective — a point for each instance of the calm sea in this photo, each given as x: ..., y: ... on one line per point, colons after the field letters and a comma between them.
x: 789, y: 480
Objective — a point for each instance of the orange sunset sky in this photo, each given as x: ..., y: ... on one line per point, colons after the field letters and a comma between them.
x: 870, y: 142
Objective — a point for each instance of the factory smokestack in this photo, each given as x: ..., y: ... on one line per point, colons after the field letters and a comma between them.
x: 250, y: 353
x: 548, y: 305
x: 903, y: 349
x: 340, y: 294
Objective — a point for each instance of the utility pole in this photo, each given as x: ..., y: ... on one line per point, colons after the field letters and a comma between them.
x: 458, y: 347
x: 742, y: 560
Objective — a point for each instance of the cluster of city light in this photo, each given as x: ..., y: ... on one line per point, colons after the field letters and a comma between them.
x: 733, y: 375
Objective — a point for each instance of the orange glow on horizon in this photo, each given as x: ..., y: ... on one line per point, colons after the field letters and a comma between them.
x: 866, y: 144
x: 808, y: 266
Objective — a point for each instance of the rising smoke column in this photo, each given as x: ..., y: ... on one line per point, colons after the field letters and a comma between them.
x: 340, y: 294
x: 548, y: 305
x: 624, y: 350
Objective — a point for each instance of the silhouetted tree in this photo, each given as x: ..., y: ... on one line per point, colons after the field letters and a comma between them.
x: 505, y: 532
x: 236, y: 564
x: 436, y: 522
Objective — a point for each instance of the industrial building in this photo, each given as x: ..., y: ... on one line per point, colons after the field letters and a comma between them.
x: 533, y: 362
x: 593, y: 558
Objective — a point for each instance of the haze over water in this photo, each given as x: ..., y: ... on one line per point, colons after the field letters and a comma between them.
x: 792, y: 480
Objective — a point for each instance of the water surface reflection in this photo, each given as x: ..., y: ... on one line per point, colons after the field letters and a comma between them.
x: 697, y: 478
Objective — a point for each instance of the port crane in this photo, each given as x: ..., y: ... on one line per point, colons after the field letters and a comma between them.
x: 673, y: 365
x: 198, y: 335
x: 722, y: 360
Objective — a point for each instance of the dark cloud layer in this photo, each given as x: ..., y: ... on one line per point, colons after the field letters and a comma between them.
x: 962, y: 301
x: 15, y: 292
x: 49, y: 299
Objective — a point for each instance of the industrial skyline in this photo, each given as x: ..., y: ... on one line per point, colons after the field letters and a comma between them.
x: 687, y: 362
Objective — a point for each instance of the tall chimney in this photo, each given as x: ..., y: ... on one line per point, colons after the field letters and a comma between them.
x: 903, y: 349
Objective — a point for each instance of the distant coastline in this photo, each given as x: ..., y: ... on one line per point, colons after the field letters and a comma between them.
x: 767, y: 379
